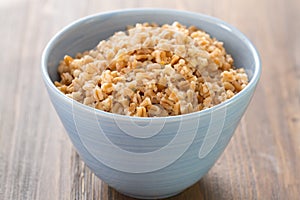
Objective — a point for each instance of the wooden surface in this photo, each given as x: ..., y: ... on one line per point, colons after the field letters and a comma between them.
x: 38, y: 161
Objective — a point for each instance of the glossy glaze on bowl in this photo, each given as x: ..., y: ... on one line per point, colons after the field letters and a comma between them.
x: 148, y: 157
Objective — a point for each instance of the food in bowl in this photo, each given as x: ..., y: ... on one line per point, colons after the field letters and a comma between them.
x: 152, y: 71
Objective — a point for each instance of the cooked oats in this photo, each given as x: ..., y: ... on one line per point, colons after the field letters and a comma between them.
x: 152, y: 71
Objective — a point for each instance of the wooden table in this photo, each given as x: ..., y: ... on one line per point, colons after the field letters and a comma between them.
x: 38, y: 161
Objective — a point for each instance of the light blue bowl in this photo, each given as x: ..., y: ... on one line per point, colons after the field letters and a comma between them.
x: 148, y: 157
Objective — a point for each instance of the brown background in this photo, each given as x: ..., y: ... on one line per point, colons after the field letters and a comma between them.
x: 37, y: 160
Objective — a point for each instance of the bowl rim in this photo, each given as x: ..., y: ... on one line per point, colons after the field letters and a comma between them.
x: 252, y: 83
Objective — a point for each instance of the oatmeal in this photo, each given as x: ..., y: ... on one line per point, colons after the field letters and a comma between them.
x: 152, y: 71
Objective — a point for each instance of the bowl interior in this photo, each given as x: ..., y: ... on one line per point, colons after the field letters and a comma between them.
x: 86, y: 33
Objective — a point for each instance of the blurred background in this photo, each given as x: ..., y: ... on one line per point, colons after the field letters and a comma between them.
x: 37, y: 160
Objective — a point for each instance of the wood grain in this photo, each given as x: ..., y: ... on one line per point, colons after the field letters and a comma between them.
x: 37, y: 160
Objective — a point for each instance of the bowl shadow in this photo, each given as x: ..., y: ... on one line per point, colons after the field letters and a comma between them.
x: 207, y: 188
x: 212, y: 186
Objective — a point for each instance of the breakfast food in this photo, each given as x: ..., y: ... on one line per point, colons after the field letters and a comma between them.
x: 152, y: 71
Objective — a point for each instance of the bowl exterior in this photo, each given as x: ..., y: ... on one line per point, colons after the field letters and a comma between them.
x: 148, y: 157
x: 180, y: 153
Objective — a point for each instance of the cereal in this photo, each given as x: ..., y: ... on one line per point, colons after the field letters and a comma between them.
x: 152, y: 71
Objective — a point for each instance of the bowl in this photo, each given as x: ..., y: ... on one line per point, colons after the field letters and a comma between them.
x: 148, y: 157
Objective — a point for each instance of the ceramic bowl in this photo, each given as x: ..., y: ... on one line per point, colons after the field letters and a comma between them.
x: 148, y: 157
